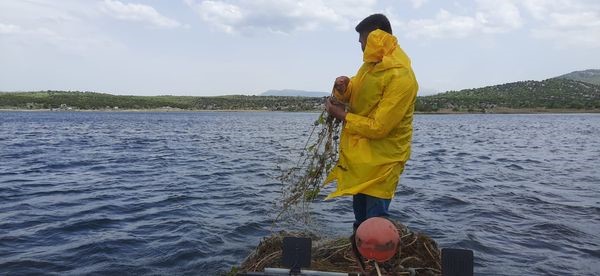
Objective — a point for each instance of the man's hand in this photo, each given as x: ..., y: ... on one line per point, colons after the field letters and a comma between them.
x: 335, y: 109
x: 341, y: 83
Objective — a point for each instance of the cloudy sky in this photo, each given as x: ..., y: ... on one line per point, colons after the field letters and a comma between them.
x: 197, y: 47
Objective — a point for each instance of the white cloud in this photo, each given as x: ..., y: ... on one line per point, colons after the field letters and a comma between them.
x: 17, y: 30
x: 584, y: 19
x: 138, y: 13
x: 418, y: 3
x: 489, y: 17
x: 573, y: 37
x: 564, y: 13
x: 566, y: 22
x: 498, y: 16
x: 280, y: 16
x: 538, y: 8
x: 81, y: 44
x: 443, y: 25
x: 223, y: 15
x: 9, y: 29
x: 52, y: 25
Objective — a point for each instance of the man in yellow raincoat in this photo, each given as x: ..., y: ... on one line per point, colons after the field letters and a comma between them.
x: 376, y: 106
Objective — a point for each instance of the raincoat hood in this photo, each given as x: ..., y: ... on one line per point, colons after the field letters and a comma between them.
x: 382, y: 48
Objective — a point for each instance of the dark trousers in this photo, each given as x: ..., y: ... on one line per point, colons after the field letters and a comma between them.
x: 366, y: 206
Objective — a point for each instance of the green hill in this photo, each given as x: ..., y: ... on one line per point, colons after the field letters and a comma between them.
x: 100, y: 101
x: 590, y: 76
x: 556, y: 93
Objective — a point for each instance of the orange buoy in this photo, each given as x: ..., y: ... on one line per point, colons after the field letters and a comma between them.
x: 377, y: 239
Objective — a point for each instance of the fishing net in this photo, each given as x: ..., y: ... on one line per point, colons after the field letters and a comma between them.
x: 417, y: 255
x: 302, y: 182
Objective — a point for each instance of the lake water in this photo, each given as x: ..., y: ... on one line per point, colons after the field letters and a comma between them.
x: 192, y: 193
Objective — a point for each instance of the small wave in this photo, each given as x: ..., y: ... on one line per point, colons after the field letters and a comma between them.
x: 472, y: 242
x: 182, y: 257
x: 446, y: 173
x: 450, y: 201
x: 514, y: 167
x: 470, y: 188
x: 592, y: 252
x: 32, y: 267
x: 88, y: 225
x: 532, y: 161
x: 474, y: 180
x: 437, y: 152
x: 67, y: 165
x: 242, y: 232
x: 554, y: 230
x: 403, y: 190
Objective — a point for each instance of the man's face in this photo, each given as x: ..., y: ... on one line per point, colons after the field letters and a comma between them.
x: 362, y: 38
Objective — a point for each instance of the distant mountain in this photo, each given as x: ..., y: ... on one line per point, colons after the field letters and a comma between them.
x: 294, y: 93
x: 590, y: 76
x: 424, y: 91
x: 555, y: 93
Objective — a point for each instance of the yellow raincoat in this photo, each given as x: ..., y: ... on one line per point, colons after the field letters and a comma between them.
x: 377, y: 133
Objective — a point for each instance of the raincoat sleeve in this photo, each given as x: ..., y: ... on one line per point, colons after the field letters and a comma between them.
x: 397, y: 100
x: 344, y: 96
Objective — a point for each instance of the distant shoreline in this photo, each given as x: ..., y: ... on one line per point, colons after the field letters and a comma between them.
x: 136, y: 110
x: 514, y: 111
x: 440, y: 112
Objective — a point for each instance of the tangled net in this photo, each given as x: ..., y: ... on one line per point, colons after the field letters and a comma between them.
x: 302, y: 183
x: 417, y: 255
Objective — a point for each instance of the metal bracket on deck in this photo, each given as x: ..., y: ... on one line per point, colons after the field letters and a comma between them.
x: 457, y: 262
x: 296, y: 254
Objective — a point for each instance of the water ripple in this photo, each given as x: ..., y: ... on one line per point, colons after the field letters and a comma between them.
x: 192, y: 193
